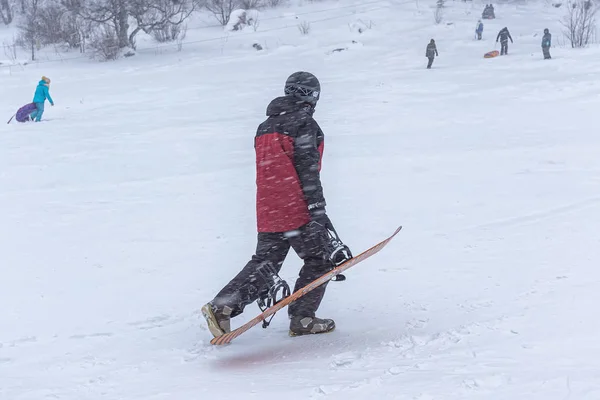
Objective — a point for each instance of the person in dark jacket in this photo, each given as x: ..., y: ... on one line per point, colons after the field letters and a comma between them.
x: 431, y: 52
x: 546, y: 43
x: 290, y: 208
x: 503, y: 36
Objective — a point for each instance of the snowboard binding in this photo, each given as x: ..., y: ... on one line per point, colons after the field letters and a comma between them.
x: 338, y: 252
x: 277, y: 289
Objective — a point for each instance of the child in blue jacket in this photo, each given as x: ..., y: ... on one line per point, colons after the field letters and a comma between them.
x: 479, y: 29
x: 42, y: 92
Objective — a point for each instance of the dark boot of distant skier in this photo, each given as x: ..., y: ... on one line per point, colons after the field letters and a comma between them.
x: 290, y: 214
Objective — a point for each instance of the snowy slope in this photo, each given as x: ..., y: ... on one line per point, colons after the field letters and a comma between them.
x: 134, y: 203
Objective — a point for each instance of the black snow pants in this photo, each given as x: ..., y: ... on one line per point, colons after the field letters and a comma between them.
x: 273, y: 248
x: 546, y: 51
x: 430, y: 62
x: 503, y: 48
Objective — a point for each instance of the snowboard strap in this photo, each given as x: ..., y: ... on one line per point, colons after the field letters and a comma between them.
x: 278, y: 289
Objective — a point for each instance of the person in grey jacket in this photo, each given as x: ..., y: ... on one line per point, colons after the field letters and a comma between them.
x: 431, y: 52
x: 546, y: 43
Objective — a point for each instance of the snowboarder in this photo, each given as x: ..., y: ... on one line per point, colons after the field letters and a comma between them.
x: 42, y: 92
x: 290, y: 213
x: 431, y: 52
x: 503, y: 36
x: 546, y: 43
x: 479, y: 29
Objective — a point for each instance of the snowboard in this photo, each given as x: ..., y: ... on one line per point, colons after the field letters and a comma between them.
x: 228, y: 337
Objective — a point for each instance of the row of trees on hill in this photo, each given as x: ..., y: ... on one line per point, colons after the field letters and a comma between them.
x: 580, y: 23
x: 109, y: 26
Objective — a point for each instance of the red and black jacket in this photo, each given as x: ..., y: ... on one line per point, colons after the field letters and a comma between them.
x: 289, y: 148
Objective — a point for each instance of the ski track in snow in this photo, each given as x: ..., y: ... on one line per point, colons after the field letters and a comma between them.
x: 134, y: 204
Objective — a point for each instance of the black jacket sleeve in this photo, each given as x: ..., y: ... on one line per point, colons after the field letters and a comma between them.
x: 510, y: 37
x: 306, y: 161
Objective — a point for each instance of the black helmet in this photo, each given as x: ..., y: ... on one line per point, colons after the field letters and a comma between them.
x: 546, y: 30
x: 304, y: 86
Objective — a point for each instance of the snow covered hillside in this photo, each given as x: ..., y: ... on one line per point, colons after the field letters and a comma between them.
x: 133, y: 203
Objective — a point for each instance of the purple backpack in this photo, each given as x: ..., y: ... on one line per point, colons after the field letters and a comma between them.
x: 23, y: 112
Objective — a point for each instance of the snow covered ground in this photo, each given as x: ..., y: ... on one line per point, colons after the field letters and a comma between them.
x: 134, y: 203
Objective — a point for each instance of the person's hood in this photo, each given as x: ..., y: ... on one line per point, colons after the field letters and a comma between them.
x: 287, y: 104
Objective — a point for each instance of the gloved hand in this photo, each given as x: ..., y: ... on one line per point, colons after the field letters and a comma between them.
x: 321, y: 228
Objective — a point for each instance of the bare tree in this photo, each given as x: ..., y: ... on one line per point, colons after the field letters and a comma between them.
x: 50, y: 22
x: 148, y: 15
x: 105, y: 43
x: 77, y: 22
x: 438, y: 15
x: 50, y: 26
x: 111, y: 13
x: 160, y: 15
x: 221, y: 9
x: 10, y: 50
x: 304, y: 28
x: 251, y: 4
x: 170, y: 33
x: 30, y: 26
x: 6, y: 12
x: 580, y: 23
x: 77, y: 30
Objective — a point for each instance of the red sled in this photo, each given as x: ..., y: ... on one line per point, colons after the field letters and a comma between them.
x: 491, y: 54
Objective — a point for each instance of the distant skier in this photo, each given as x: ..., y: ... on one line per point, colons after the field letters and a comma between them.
x: 546, y: 43
x: 479, y: 29
x: 290, y: 213
x: 431, y: 52
x: 42, y: 92
x: 503, y: 36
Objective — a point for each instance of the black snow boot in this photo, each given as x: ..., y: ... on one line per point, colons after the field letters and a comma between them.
x: 218, y: 320
x: 310, y: 325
